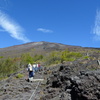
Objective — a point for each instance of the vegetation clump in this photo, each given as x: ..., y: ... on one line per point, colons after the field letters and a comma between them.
x: 19, y: 75
x: 57, y: 57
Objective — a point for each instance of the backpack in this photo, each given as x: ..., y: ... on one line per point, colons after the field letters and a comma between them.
x: 30, y: 68
x: 38, y: 65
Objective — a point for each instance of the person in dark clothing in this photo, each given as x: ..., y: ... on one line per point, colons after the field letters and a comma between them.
x: 30, y: 69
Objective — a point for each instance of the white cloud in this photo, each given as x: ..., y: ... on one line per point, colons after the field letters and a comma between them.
x: 44, y: 30
x: 96, y: 29
x: 12, y: 28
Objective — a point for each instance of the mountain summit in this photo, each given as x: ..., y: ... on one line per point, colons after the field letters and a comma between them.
x: 37, y: 47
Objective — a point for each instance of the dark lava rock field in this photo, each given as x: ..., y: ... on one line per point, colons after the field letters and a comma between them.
x: 77, y: 80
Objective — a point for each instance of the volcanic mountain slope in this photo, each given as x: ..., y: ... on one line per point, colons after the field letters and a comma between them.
x: 77, y: 80
x: 38, y: 48
x: 74, y: 80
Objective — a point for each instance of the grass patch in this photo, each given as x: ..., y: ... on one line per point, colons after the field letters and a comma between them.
x: 19, y: 75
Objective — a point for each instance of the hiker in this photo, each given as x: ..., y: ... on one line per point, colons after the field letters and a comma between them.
x: 39, y: 66
x: 34, y: 67
x: 30, y: 70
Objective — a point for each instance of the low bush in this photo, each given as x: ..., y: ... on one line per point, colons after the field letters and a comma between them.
x: 19, y: 75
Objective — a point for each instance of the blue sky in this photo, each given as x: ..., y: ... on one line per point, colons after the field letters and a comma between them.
x: 70, y: 22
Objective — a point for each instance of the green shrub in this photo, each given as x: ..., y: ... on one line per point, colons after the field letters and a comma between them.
x: 57, y: 57
x: 86, y: 57
x: 26, y: 58
x: 1, y: 57
x: 37, y: 57
x: 7, y: 67
x: 70, y: 56
x: 19, y: 75
x: 53, y: 58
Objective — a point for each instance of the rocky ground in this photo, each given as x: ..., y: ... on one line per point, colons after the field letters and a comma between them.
x: 15, y: 88
x: 78, y: 80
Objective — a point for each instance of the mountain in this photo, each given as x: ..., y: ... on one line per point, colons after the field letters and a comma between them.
x: 38, y: 48
x: 70, y: 80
